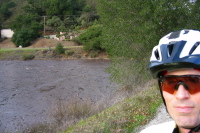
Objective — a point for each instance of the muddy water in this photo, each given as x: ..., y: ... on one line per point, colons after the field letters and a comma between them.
x: 28, y: 88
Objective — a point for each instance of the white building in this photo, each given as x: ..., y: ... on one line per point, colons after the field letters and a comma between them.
x: 6, y: 33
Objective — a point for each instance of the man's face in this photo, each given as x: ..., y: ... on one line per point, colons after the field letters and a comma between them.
x: 183, y: 107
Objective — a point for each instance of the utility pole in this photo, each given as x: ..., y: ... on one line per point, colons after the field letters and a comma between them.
x: 44, y: 25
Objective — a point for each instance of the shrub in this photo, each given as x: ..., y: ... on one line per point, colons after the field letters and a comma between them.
x: 91, y: 39
x: 28, y: 57
x: 93, y: 54
x: 77, y: 40
x: 69, y: 52
x: 47, y: 37
x: 60, y: 48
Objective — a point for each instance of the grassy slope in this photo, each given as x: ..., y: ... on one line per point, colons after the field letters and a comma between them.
x: 123, y: 117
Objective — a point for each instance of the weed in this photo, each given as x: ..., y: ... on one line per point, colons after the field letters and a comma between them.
x: 40, y: 128
x: 93, y: 54
x: 69, y: 52
x: 28, y: 56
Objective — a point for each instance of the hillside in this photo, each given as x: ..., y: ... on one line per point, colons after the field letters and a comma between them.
x: 16, y: 11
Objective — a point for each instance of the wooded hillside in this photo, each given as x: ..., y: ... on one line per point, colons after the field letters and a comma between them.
x: 77, y: 12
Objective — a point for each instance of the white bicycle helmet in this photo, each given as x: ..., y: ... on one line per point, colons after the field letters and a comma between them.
x: 176, y: 50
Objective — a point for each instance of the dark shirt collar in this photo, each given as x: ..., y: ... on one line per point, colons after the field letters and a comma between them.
x: 176, y: 130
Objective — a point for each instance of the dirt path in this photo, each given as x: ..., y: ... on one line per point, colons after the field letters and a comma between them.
x: 161, y: 117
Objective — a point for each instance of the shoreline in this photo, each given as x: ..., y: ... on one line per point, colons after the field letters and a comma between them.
x: 50, y: 54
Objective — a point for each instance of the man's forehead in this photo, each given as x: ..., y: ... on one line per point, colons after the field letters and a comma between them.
x: 185, y: 71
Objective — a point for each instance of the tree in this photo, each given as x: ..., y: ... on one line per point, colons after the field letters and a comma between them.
x: 54, y: 22
x: 4, y: 1
x: 88, y: 16
x: 62, y: 8
x: 195, y: 17
x: 23, y: 37
x: 35, y: 7
x: 131, y: 28
x: 5, y: 12
x: 91, y: 39
x: 4, y: 9
x: 67, y: 11
x: 26, y: 28
x: 31, y: 21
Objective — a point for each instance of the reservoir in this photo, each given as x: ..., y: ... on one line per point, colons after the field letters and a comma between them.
x: 29, y: 89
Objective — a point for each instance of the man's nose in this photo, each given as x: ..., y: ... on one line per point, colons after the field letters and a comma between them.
x: 182, y: 92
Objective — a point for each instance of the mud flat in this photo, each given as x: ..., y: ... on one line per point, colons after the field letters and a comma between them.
x: 29, y: 88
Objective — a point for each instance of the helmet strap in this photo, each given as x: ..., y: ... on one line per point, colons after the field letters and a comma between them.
x: 196, y: 129
x: 163, y: 97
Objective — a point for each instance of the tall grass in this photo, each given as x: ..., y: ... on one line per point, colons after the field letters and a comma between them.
x: 28, y: 56
x: 65, y: 114
x: 124, y: 117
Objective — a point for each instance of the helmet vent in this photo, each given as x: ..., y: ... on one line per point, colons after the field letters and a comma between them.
x: 170, y: 49
x: 194, y: 48
x: 156, y: 53
x: 175, y: 34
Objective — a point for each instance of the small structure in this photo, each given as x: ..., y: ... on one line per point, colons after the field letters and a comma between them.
x: 6, y: 33
x: 62, y: 36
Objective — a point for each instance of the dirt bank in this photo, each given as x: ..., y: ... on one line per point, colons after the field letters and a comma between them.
x: 39, y: 43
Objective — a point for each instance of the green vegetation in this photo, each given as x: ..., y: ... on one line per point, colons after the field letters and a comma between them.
x: 127, y: 116
x: 23, y: 37
x: 51, y: 15
x: 123, y: 117
x: 94, y: 54
x: 28, y: 57
x: 60, y: 48
x: 131, y: 28
x: 69, y: 52
x: 91, y: 38
x: 5, y: 12
x: 39, y: 53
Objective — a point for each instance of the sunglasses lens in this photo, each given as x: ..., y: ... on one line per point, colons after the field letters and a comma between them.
x: 193, y: 84
x: 169, y: 83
